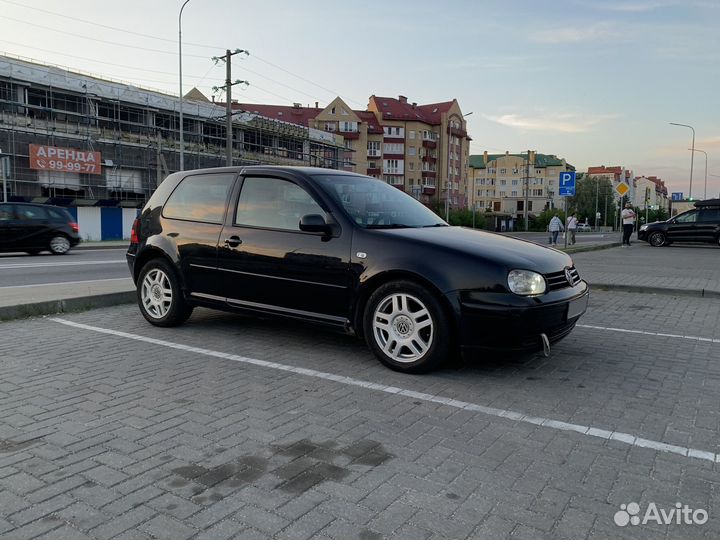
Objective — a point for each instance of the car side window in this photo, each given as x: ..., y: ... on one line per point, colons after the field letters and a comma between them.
x: 688, y: 217
x: 6, y: 212
x: 200, y: 197
x: 274, y: 204
x: 30, y: 213
x: 710, y: 214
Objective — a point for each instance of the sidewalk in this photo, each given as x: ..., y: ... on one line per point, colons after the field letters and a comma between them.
x: 676, y: 270
x: 105, y: 244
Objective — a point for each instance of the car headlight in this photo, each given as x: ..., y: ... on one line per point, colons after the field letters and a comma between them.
x: 643, y: 227
x: 525, y: 282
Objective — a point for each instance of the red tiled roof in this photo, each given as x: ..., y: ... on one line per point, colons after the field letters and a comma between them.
x: 394, y: 109
x: 604, y: 170
x: 287, y: 113
x: 371, y: 120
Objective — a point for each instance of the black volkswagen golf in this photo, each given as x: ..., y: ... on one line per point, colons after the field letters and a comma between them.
x: 349, y: 252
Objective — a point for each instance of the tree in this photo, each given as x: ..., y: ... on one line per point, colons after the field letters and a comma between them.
x: 587, y: 190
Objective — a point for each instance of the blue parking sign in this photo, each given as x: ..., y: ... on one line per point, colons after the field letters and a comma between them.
x: 567, y: 184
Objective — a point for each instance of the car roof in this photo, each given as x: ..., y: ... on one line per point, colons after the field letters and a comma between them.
x: 309, y: 171
x: 707, y: 202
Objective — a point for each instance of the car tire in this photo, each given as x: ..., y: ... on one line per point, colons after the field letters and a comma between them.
x: 59, y: 244
x: 657, y: 239
x: 159, y: 295
x: 406, y: 328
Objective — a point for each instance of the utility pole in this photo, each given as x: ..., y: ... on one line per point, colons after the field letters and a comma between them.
x: 527, y: 190
x: 228, y: 98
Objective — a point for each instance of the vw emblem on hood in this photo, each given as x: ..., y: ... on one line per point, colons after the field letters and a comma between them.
x: 568, y: 276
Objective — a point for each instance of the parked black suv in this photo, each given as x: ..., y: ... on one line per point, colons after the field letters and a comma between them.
x: 36, y: 227
x: 701, y: 224
x: 349, y: 252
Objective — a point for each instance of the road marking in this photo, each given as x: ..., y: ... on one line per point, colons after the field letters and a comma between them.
x: 619, y: 436
x: 659, y: 334
x: 67, y: 283
x: 56, y: 264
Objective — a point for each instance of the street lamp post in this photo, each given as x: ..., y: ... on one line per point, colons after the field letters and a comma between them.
x: 704, y: 152
x: 182, y: 127
x: 692, y: 155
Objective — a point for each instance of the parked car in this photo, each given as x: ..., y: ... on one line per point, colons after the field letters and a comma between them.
x: 584, y: 227
x: 349, y: 252
x: 701, y: 224
x: 33, y: 228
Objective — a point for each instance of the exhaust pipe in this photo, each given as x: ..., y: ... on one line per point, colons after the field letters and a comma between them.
x: 545, y: 345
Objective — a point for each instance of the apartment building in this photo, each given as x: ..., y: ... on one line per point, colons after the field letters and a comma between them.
x: 650, y: 192
x: 502, y: 183
x: 421, y: 149
x: 614, y: 174
x: 113, y: 143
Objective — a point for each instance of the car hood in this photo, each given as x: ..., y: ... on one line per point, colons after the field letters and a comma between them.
x: 502, y: 250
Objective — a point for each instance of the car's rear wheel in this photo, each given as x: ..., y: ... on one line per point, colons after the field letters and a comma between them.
x: 59, y: 244
x: 657, y: 239
x: 159, y: 295
x: 405, y: 327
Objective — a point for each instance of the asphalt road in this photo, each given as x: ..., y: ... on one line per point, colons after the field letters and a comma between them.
x: 76, y: 266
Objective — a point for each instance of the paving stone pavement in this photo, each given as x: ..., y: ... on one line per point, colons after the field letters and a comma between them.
x: 108, y: 437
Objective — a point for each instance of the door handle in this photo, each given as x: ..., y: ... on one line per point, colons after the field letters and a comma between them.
x: 233, y: 241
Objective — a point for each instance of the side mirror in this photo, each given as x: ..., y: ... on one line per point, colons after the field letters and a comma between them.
x: 314, y: 223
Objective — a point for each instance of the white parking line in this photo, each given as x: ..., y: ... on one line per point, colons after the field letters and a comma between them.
x: 659, y: 334
x: 625, y: 438
x: 55, y: 264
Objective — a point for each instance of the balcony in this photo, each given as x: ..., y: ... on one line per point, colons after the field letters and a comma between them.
x: 349, y: 134
x: 427, y: 143
x: 429, y: 159
x: 429, y: 174
x: 373, y: 153
x: 371, y: 171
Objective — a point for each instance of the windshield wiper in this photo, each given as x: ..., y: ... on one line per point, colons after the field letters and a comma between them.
x: 436, y: 225
x: 389, y: 226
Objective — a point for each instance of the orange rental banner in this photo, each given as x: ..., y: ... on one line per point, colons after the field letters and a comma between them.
x: 53, y: 158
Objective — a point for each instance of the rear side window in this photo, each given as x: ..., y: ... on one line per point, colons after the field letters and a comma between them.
x: 59, y: 215
x: 29, y: 213
x: 710, y: 214
x: 200, y: 197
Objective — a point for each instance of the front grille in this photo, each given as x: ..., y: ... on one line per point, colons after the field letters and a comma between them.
x: 558, y: 280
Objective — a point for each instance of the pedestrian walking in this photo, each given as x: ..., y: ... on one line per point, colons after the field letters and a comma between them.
x: 572, y: 224
x: 555, y: 227
x: 628, y: 219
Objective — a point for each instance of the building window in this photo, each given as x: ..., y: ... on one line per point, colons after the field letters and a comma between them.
x: 411, y: 134
x: 411, y: 150
x: 503, y: 182
x: 514, y: 182
x: 503, y: 171
x: 538, y: 171
x: 394, y: 148
x: 350, y: 127
x: 513, y: 194
x: 373, y: 148
x: 330, y: 126
x: 412, y: 166
x: 332, y: 111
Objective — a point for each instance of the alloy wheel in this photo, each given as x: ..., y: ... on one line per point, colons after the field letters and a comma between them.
x: 403, y: 327
x: 59, y: 245
x: 156, y: 293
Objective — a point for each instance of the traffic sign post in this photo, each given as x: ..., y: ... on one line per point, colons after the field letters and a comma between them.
x: 567, y: 189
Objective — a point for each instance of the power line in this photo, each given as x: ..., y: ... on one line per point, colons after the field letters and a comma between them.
x: 166, y: 40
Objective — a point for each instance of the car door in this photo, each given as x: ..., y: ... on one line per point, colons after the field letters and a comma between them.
x: 32, y: 228
x: 7, y: 226
x: 268, y: 264
x: 682, y: 228
x: 708, y: 224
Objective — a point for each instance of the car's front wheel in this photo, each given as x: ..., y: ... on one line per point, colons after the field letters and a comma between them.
x: 405, y: 327
x: 59, y: 245
x: 657, y: 239
x: 159, y: 295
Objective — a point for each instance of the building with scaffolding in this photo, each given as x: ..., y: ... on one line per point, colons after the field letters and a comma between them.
x: 77, y: 139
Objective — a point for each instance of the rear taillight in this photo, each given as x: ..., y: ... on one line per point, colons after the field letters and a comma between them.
x: 134, y: 232
x: 74, y: 226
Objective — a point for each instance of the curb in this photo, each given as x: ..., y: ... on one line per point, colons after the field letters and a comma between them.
x: 702, y: 293
x: 83, y: 247
x: 594, y: 247
x: 81, y: 303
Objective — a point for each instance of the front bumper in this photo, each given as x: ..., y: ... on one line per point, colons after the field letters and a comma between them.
x: 511, y: 322
x: 642, y: 235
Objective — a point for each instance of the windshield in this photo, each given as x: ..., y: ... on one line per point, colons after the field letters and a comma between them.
x: 373, y: 204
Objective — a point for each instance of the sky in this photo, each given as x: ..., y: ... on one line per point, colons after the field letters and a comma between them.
x: 596, y: 82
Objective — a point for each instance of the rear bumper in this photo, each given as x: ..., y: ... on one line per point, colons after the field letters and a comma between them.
x: 485, y: 322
